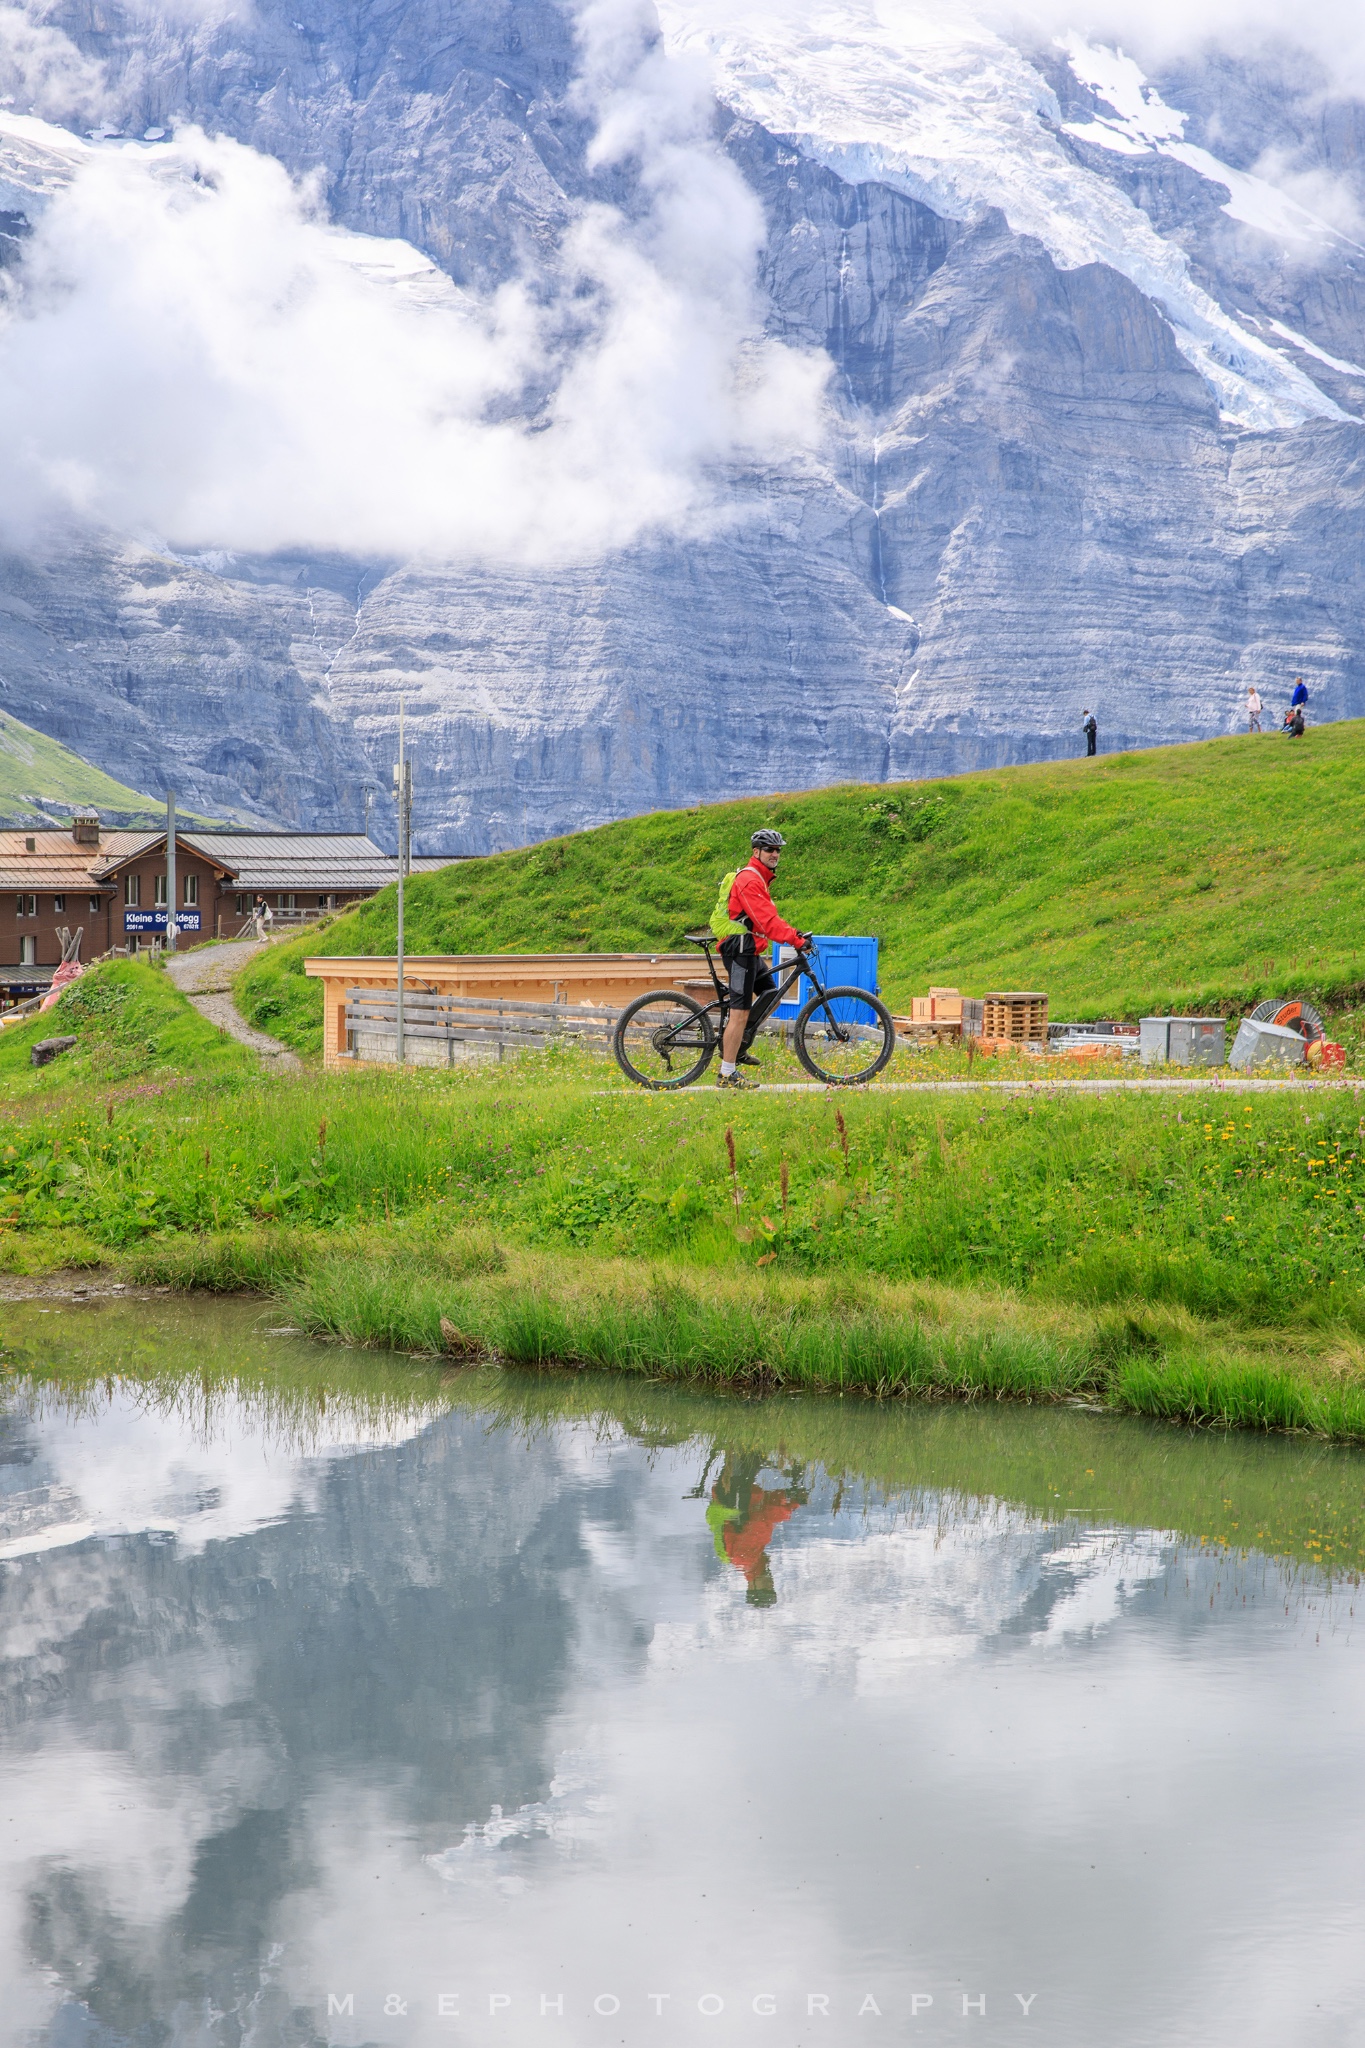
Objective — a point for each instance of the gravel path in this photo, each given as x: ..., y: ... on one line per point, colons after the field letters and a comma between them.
x: 1173, y: 1084
x: 205, y: 976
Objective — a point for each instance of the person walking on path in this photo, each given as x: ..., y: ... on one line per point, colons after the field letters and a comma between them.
x: 1253, y: 709
x: 1091, y: 731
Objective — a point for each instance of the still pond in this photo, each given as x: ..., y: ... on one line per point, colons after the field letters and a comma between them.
x: 349, y: 1700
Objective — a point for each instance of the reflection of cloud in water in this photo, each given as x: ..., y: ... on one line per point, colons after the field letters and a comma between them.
x: 1098, y: 1572
x: 575, y: 1817
x: 861, y: 1595
x: 129, y: 1468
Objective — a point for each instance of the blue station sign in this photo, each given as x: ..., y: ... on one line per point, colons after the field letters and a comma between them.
x: 155, y: 920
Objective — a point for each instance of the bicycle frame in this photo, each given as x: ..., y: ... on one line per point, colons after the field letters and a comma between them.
x: 764, y: 1006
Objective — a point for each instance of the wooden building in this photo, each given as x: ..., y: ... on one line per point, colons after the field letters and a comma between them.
x: 112, y: 885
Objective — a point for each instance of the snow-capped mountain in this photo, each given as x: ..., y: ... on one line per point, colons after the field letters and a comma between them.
x: 783, y: 393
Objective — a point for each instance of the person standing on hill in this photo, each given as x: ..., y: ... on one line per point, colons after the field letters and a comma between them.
x: 1253, y: 709
x: 749, y: 924
x: 1091, y: 731
x: 1299, y: 701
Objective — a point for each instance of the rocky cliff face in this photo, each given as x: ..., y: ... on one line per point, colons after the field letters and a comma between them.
x: 1094, y: 434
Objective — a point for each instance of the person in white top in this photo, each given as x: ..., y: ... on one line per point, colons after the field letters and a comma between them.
x: 1253, y: 709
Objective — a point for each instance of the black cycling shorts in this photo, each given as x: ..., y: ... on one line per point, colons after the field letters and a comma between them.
x: 750, y: 975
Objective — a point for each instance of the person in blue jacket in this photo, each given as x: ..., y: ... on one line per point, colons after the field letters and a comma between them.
x: 1300, y: 695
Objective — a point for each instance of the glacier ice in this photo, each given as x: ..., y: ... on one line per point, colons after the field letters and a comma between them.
x: 918, y: 95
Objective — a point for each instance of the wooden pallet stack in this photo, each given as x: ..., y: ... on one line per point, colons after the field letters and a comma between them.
x: 1015, y: 1018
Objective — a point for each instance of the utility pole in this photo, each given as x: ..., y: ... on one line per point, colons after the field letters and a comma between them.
x: 402, y: 782
x: 170, y: 870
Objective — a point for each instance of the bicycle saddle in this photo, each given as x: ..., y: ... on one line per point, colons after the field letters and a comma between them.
x: 706, y: 938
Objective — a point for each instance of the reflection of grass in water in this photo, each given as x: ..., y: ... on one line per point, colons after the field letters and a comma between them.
x: 196, y: 1361
x: 209, y: 1367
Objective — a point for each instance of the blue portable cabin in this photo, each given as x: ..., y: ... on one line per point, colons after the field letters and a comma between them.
x: 843, y: 963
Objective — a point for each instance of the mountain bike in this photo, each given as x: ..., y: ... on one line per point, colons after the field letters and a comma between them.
x: 666, y: 1039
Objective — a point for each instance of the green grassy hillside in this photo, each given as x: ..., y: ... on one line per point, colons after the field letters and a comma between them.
x: 42, y: 782
x: 129, y: 1022
x: 1187, y: 877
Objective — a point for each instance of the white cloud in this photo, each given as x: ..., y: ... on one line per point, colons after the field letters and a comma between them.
x: 1158, y: 32
x: 1316, y: 189
x: 42, y: 72
x: 195, y: 352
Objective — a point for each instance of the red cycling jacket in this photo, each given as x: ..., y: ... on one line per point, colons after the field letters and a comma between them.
x: 751, y: 897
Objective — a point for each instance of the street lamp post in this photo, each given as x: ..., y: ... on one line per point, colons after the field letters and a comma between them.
x: 170, y: 870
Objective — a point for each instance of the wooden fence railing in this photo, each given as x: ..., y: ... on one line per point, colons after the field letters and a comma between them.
x: 441, y: 1030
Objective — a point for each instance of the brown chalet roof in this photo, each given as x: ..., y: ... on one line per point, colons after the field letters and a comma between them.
x: 59, y: 864
x: 115, y: 856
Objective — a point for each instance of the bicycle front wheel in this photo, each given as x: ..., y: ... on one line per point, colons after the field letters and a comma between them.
x: 844, y: 1037
x: 663, y: 1040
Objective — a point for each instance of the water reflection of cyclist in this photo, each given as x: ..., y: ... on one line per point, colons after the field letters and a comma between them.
x: 742, y: 1517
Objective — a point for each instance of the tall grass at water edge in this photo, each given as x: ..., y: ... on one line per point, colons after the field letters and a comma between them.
x: 467, y: 1297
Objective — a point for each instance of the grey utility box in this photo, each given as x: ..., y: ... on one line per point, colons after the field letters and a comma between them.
x: 1266, y: 1045
x: 1183, y: 1041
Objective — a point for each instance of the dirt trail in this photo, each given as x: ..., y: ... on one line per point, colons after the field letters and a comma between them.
x: 205, y: 976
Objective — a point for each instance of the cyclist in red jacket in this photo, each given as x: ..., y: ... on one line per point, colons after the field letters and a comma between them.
x: 751, y: 905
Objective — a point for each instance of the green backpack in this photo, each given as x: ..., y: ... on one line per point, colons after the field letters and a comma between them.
x: 722, y: 924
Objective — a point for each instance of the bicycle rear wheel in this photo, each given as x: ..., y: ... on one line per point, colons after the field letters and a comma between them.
x: 663, y: 1040
x: 849, y: 1046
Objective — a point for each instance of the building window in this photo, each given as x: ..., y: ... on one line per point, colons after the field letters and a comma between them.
x: 132, y: 890
x: 191, y: 888
x: 59, y: 903
x: 241, y: 905
x: 285, y: 902
x: 28, y: 906
x: 28, y: 952
x: 96, y: 903
x: 160, y: 896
